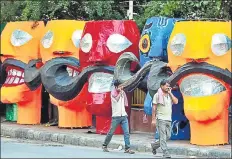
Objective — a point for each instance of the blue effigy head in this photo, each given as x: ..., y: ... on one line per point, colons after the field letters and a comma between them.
x: 154, y: 38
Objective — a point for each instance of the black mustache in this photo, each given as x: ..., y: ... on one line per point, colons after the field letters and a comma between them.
x: 157, y: 74
x: 192, y: 67
x: 32, y: 75
x: 59, y: 84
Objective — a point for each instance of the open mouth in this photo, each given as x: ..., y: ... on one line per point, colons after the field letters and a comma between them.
x: 100, y: 82
x: 200, y: 85
x: 15, y: 76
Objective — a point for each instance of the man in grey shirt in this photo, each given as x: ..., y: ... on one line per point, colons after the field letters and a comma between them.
x: 162, y: 116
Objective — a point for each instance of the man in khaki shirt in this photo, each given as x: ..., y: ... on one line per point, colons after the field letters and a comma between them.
x: 162, y: 116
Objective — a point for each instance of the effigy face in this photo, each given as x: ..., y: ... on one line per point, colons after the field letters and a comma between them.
x: 154, y: 39
x: 19, y: 45
x: 199, y: 55
x: 60, y: 55
x: 103, y: 42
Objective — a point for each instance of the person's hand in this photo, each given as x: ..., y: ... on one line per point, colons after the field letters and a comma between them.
x: 153, y: 123
x: 169, y: 90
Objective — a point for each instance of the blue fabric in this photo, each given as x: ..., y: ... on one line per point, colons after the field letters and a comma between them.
x: 123, y: 121
x: 148, y: 105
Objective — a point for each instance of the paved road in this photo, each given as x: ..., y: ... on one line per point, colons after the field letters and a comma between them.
x: 13, y: 148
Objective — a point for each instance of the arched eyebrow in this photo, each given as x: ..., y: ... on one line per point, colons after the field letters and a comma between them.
x: 147, y: 26
x: 34, y: 25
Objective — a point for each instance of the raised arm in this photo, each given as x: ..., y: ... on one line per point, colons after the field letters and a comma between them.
x: 173, y: 98
x: 115, y: 95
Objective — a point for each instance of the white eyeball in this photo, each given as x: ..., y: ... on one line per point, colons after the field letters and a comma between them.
x: 178, y: 44
x: 220, y: 44
x: 19, y: 37
x: 86, y: 43
x: 47, y: 40
x: 76, y: 37
x: 117, y: 43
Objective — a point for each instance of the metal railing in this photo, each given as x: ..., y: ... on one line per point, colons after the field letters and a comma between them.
x: 138, y: 98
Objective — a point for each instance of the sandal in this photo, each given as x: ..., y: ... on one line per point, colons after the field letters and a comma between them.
x: 129, y: 151
x: 104, y: 148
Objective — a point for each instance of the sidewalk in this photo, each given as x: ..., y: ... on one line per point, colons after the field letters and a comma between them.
x: 140, y: 141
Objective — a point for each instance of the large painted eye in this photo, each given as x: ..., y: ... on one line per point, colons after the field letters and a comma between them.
x: 117, y: 43
x: 145, y: 43
x: 76, y: 37
x: 220, y: 44
x: 86, y: 43
x: 47, y: 40
x: 177, y: 44
x: 19, y: 38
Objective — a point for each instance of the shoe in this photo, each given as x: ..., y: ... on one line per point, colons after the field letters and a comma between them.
x: 166, y: 156
x: 154, y: 152
x: 104, y: 148
x: 129, y: 151
x: 154, y: 146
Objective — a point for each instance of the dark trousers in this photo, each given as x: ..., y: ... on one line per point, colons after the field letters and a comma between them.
x: 123, y: 121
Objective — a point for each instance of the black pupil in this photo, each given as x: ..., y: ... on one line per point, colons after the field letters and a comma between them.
x: 145, y: 44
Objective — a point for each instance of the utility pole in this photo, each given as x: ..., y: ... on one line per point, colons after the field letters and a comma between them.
x: 130, y: 11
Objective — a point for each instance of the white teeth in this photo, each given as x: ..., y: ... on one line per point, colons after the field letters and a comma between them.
x: 75, y: 73
x: 21, y: 81
x: 14, y: 72
x: 11, y: 80
x: 16, y: 80
x: 69, y: 70
x: 14, y: 76
x: 7, y: 80
x: 19, y: 73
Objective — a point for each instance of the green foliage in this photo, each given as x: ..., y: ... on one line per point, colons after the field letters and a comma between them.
x: 11, y: 10
x: 113, y: 9
x: 186, y: 9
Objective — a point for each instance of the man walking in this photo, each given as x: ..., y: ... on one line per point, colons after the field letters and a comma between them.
x: 119, y: 116
x: 162, y: 116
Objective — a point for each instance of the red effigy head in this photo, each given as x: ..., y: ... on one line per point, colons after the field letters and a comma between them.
x: 101, y: 45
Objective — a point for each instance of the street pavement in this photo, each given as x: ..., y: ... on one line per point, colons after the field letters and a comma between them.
x: 140, y: 142
x: 16, y: 148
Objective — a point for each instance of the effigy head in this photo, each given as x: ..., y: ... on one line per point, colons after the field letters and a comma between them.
x: 199, y: 57
x: 154, y: 38
x: 60, y: 56
x: 19, y: 46
x: 196, y: 55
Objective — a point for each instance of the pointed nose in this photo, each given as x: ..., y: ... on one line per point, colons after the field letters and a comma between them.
x: 98, y: 56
